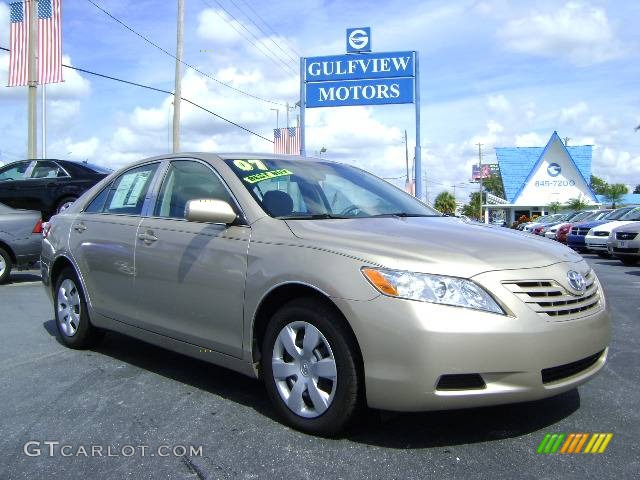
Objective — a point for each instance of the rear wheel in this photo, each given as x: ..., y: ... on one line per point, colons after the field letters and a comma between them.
x: 310, y: 366
x: 72, y: 316
x: 5, y: 266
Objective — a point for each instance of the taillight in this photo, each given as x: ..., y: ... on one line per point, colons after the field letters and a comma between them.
x: 38, y: 227
x: 46, y: 229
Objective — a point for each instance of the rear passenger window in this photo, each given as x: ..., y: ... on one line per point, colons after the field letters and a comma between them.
x: 97, y: 204
x: 128, y: 191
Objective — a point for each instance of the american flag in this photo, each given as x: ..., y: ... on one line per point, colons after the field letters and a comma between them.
x: 49, y: 51
x: 286, y: 140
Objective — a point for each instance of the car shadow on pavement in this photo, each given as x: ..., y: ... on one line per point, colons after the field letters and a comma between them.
x: 384, y: 429
x: 23, y: 277
x: 634, y: 272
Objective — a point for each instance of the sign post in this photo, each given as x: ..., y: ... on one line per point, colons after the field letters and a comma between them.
x: 362, y: 78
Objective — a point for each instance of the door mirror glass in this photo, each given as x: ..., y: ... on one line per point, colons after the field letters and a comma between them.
x: 210, y: 211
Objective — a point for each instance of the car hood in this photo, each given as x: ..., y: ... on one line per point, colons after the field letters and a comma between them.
x: 628, y: 227
x: 607, y: 227
x: 592, y: 224
x: 432, y: 245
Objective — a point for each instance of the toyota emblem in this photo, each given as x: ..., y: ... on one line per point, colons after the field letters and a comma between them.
x: 576, y: 281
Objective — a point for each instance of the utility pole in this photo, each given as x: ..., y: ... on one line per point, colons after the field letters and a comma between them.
x: 287, y: 132
x: 32, y: 145
x: 178, y: 88
x: 426, y: 189
x: 566, y: 140
x: 480, y: 178
x: 44, y: 121
x: 406, y: 155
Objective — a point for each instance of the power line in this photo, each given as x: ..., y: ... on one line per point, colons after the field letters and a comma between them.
x: 263, y: 32
x: 116, y: 79
x: 183, y: 62
x: 275, y: 59
x: 264, y: 22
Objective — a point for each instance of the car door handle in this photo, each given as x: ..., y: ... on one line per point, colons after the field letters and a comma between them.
x: 80, y: 227
x: 147, y: 237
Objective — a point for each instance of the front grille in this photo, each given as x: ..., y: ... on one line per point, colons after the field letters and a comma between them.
x: 580, y: 231
x: 626, y: 250
x: 601, y: 234
x: 465, y: 381
x: 552, y: 301
x: 626, y: 235
x: 554, y: 374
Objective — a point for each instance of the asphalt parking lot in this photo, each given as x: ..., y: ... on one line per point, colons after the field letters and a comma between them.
x: 126, y: 392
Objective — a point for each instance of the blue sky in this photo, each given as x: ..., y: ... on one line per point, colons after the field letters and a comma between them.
x: 496, y: 72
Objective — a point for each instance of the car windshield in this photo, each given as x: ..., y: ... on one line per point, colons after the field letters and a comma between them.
x: 616, y: 214
x: 633, y: 215
x: 305, y: 189
x: 581, y: 216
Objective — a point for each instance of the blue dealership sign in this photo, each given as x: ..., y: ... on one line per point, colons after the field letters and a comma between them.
x: 356, y: 66
x: 358, y: 40
x: 360, y: 92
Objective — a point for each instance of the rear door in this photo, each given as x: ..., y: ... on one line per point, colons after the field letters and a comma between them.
x: 38, y: 191
x: 103, y: 239
x: 190, y: 276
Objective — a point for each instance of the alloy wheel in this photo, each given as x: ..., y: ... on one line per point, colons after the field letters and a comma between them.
x: 68, y: 307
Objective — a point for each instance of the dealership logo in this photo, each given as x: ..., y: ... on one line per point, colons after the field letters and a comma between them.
x: 554, y: 169
x: 574, y: 443
x: 576, y: 281
x: 358, y: 40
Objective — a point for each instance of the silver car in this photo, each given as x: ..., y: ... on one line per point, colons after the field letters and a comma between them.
x: 624, y: 243
x: 20, y: 239
x: 334, y: 287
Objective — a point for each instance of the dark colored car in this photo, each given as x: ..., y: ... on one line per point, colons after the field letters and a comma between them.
x: 48, y: 186
x: 20, y: 239
x: 576, y: 239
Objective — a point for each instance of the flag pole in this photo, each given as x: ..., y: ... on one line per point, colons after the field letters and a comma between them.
x: 44, y: 121
x: 32, y: 145
x: 178, y: 78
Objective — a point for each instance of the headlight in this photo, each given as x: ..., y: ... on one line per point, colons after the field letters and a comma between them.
x: 590, y: 232
x: 431, y: 288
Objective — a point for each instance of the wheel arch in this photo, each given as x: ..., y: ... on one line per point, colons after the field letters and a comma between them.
x: 281, y: 294
x: 57, y: 266
x: 5, y: 246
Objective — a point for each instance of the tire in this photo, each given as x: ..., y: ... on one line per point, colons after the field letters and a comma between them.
x: 72, y: 316
x: 6, y: 264
x: 325, y: 405
x: 64, y: 204
x: 630, y: 261
x: 603, y: 255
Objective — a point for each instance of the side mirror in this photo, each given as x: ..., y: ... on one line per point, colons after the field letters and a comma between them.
x: 210, y: 211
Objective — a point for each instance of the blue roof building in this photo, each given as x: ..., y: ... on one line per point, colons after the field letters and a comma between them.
x: 534, y: 177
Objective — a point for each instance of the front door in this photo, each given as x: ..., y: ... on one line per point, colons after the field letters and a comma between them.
x: 190, y: 276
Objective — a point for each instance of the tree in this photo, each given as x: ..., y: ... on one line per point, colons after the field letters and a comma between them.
x: 493, y: 185
x: 598, y: 185
x: 637, y: 189
x: 615, y: 192
x: 554, y: 207
x: 577, y: 203
x: 446, y: 203
x: 472, y: 209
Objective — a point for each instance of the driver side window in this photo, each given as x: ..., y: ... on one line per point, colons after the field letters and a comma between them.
x: 16, y: 171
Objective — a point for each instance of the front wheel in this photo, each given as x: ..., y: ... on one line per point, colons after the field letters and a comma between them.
x: 72, y: 317
x: 310, y: 365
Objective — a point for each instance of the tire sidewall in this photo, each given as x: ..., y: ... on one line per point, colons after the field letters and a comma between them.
x: 346, y: 398
x: 8, y: 266
x: 82, y: 336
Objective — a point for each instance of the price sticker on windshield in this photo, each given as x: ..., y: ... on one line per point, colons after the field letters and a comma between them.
x: 250, y: 165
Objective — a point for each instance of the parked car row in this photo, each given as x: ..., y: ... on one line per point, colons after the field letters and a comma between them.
x: 604, y: 232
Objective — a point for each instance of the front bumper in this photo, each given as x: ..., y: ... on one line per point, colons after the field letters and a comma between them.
x: 598, y: 244
x: 624, y: 248
x: 407, y: 346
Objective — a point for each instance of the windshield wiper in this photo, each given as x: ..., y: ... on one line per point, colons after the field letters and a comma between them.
x: 402, y: 215
x: 313, y: 216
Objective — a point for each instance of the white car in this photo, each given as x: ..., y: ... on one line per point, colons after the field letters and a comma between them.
x: 596, y: 238
x: 551, y: 232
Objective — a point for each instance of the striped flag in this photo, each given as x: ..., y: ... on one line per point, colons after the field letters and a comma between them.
x: 286, y: 140
x: 49, y: 42
x: 19, y: 44
x: 49, y: 52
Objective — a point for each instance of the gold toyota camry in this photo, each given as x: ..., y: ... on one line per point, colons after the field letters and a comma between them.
x: 334, y: 287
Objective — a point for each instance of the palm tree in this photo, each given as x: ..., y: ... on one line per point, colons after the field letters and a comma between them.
x: 577, y: 203
x: 615, y: 192
x: 446, y: 203
x: 554, y: 207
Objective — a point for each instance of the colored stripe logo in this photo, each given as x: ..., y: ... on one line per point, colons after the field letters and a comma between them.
x: 574, y: 443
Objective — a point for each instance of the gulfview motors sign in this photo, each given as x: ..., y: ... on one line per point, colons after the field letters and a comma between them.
x: 359, y: 78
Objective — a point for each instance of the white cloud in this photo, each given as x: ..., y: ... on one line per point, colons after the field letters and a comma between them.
x: 574, y: 112
x: 498, y: 103
x: 218, y: 28
x: 531, y: 139
x: 576, y: 32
